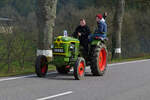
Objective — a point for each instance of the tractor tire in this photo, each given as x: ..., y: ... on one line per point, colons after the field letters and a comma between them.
x: 41, y: 66
x: 79, y: 69
x: 99, y: 60
x: 62, y: 70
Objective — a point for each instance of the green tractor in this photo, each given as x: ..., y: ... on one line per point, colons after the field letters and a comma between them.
x: 67, y: 55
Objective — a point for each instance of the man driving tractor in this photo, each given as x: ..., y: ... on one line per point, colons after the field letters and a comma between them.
x: 82, y: 32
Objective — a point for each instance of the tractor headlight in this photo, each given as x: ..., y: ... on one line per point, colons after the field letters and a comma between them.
x: 52, y: 46
x: 71, y: 47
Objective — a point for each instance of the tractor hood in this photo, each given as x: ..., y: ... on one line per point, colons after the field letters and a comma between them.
x: 64, y: 39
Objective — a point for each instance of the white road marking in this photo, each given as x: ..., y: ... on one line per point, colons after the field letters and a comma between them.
x: 14, y: 78
x: 129, y: 62
x: 27, y: 76
x: 54, y: 96
x: 20, y: 77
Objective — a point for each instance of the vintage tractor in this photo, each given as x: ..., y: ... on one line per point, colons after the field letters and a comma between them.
x: 67, y: 55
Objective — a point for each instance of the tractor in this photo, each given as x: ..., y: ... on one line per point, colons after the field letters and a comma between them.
x: 67, y: 54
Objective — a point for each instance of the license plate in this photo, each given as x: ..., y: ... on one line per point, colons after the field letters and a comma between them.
x: 58, y: 50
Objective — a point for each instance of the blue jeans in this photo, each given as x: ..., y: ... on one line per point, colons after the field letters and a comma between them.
x: 91, y: 36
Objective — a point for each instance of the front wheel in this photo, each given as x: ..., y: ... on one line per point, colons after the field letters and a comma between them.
x: 41, y: 66
x: 99, y: 60
x: 79, y: 68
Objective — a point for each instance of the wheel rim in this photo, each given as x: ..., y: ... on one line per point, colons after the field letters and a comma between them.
x: 102, y: 59
x: 81, y: 68
x: 43, y: 66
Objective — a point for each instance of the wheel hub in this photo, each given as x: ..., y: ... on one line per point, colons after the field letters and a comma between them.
x: 81, y: 68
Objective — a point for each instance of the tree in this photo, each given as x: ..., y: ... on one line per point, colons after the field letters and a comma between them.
x: 46, y: 14
x: 118, y: 20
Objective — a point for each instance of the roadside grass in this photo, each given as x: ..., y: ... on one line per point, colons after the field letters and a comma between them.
x: 16, y: 70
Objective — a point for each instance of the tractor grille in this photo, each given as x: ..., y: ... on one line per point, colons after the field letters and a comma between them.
x: 58, y: 50
x: 58, y: 45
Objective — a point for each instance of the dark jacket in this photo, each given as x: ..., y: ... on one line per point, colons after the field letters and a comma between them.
x: 84, y: 30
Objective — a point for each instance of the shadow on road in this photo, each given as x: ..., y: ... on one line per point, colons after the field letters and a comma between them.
x: 57, y: 76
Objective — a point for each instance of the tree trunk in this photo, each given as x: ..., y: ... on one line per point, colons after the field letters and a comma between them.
x: 46, y: 14
x: 116, y: 37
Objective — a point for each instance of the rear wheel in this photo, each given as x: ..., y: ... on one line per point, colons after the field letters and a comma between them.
x: 99, y: 60
x: 41, y: 66
x: 63, y: 69
x: 79, y: 68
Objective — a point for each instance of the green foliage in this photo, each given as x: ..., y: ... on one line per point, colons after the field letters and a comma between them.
x: 23, y: 7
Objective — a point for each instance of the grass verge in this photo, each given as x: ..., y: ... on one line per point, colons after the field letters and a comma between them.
x: 18, y: 71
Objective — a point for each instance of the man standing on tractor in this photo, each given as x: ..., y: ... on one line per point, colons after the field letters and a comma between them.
x: 82, y: 32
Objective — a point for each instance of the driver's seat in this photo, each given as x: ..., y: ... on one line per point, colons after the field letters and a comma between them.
x: 101, y: 38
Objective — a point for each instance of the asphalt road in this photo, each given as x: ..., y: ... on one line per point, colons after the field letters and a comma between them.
x: 122, y: 81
